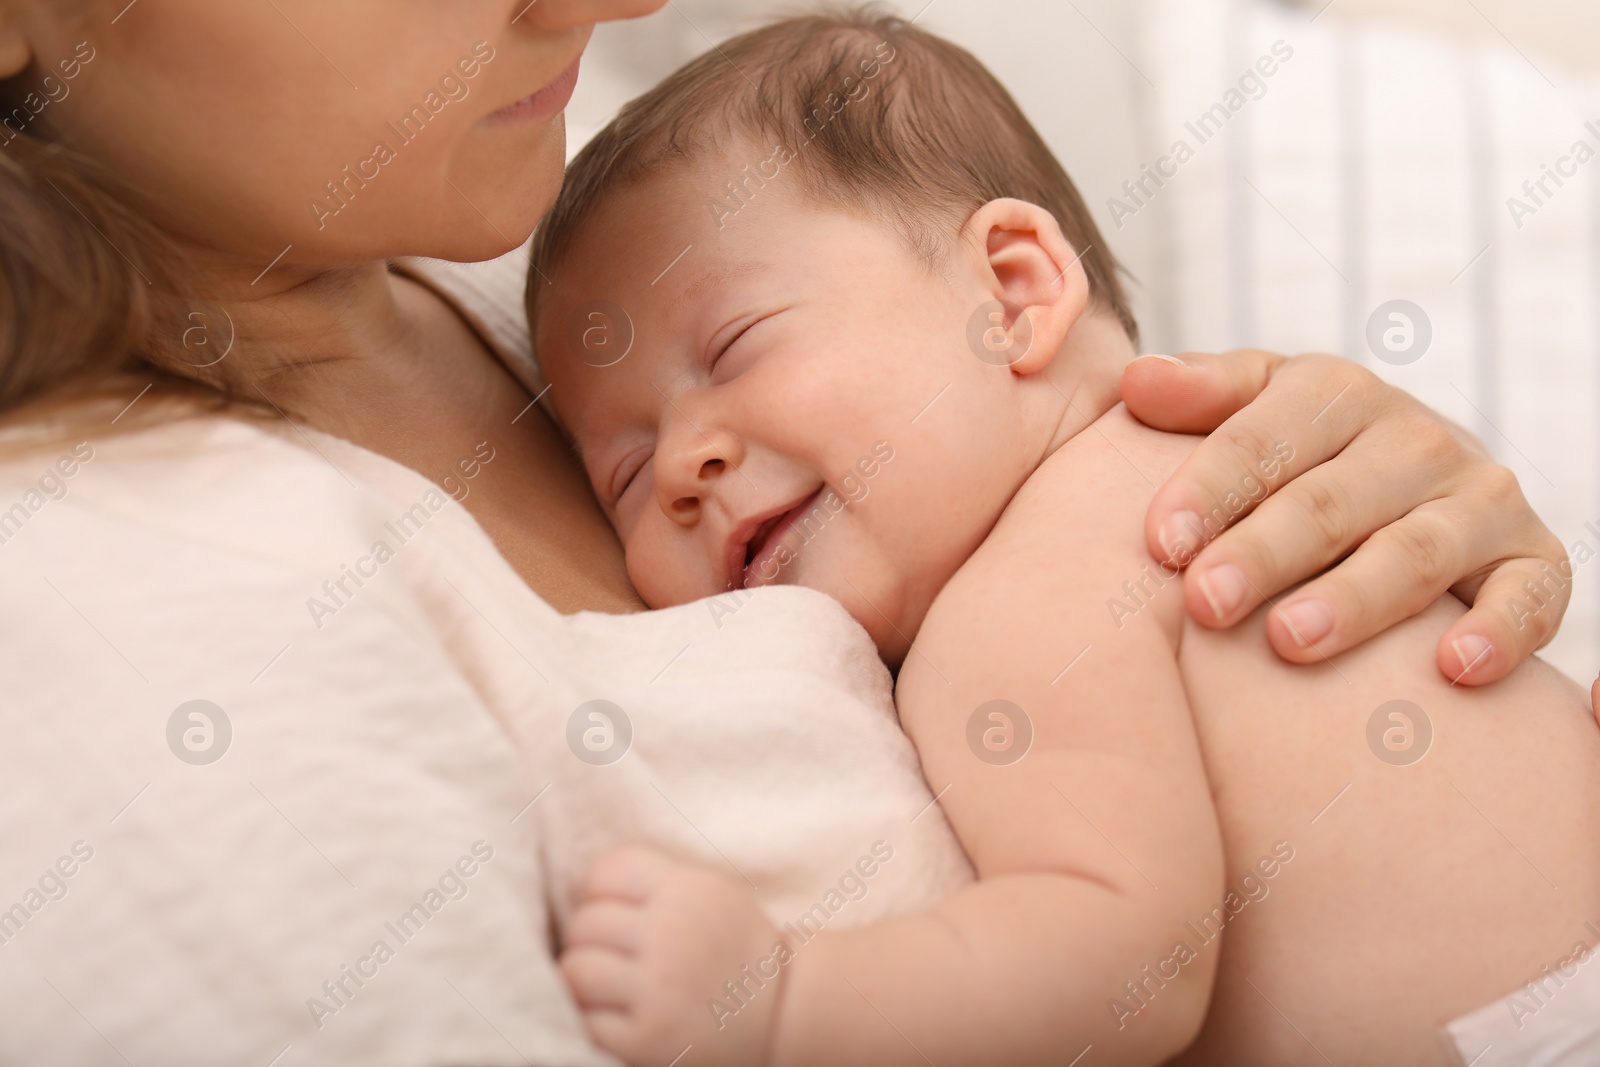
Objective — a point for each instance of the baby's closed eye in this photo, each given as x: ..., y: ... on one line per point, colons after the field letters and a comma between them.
x: 731, y: 352
x: 627, y: 473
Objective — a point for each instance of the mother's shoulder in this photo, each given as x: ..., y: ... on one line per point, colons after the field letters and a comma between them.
x: 193, y: 472
x: 281, y: 494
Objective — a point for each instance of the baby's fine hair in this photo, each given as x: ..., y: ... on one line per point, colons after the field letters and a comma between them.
x: 859, y: 108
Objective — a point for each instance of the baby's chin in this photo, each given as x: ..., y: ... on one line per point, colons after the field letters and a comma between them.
x: 874, y: 605
x: 676, y: 591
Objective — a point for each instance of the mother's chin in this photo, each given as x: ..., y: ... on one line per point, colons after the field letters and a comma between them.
x: 479, y: 201
x: 489, y: 198
x: 479, y: 189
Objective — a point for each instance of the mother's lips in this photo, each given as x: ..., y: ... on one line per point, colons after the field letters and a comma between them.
x: 754, y: 542
x: 546, y: 102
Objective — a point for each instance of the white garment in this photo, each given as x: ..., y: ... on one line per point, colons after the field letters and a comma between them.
x: 398, y: 746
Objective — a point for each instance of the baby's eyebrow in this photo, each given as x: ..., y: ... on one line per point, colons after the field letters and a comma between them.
x: 718, y: 276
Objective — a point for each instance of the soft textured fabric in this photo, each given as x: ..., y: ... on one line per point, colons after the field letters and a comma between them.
x: 374, y: 870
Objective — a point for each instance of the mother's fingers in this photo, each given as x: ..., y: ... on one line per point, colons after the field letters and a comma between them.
x: 1195, y: 392
x: 1514, y: 613
x: 1396, y: 573
x: 1309, y: 414
x: 1328, y: 460
x: 1312, y: 522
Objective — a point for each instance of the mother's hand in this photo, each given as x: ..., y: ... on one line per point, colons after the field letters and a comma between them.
x: 1328, y: 461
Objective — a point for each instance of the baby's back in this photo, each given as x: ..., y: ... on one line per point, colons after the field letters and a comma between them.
x: 1443, y: 841
x: 1400, y: 852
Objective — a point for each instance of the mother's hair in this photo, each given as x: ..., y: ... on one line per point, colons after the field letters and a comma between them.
x: 86, y: 282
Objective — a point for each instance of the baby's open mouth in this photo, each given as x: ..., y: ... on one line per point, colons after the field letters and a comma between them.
x: 755, y: 561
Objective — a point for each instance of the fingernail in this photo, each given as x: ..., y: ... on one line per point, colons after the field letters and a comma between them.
x: 1223, y: 587
x: 1176, y: 531
x: 1174, y: 360
x: 1472, y: 652
x: 1309, y: 621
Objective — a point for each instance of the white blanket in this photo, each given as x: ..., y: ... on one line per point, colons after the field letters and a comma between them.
x: 764, y: 743
x: 371, y: 871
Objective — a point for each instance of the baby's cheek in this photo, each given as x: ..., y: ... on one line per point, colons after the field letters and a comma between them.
x: 666, y: 567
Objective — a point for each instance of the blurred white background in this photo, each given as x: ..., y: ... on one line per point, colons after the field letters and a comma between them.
x: 1377, y: 165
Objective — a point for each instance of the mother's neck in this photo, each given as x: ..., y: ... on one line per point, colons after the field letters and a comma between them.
x: 304, y: 340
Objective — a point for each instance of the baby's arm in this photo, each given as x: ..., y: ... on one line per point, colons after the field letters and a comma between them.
x: 1092, y: 850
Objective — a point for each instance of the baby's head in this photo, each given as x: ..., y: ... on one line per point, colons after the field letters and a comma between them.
x: 811, y: 311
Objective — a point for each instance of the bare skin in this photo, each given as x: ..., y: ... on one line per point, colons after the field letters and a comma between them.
x: 1362, y: 838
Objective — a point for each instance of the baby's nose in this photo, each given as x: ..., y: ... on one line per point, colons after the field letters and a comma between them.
x: 685, y: 506
x: 685, y: 476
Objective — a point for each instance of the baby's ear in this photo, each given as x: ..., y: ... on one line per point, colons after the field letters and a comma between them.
x: 1037, y: 277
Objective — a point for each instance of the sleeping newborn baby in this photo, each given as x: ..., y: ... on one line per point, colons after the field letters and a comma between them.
x: 838, y: 319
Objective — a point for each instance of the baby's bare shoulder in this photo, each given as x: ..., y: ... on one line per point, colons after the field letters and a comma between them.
x: 1063, y: 550
x: 1020, y: 644
x: 1092, y: 491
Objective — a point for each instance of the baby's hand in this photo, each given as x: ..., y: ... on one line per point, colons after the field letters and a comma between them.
x: 650, y: 954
